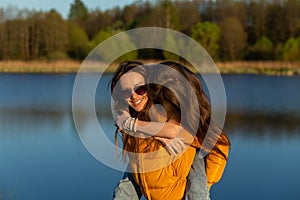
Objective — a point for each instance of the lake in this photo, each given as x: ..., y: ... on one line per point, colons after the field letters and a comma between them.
x: 42, y: 156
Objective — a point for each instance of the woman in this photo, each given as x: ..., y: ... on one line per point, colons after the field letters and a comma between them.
x: 163, y: 94
x: 158, y: 174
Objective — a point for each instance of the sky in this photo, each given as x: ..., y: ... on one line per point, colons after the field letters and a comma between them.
x: 63, y: 6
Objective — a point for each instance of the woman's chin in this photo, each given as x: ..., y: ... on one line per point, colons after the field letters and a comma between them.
x: 138, y: 108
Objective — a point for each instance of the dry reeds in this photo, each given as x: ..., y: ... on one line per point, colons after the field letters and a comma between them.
x: 71, y: 66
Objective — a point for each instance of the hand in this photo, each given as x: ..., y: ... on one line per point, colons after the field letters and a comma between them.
x: 173, y: 146
x: 121, y: 119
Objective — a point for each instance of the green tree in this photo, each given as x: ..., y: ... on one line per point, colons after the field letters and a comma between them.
x: 182, y: 49
x: 262, y: 49
x: 291, y: 49
x: 78, y: 11
x: 102, y: 35
x: 208, y: 35
x: 170, y: 42
x: 79, y: 14
x: 115, y: 48
x: 54, y: 36
x: 79, y: 45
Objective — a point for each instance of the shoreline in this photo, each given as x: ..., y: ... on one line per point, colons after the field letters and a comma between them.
x: 272, y: 68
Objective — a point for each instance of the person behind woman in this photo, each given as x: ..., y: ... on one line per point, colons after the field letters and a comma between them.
x: 158, y: 174
x: 159, y: 93
x: 209, y: 139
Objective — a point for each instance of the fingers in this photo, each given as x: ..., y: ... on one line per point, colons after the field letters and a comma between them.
x: 170, y: 150
x: 181, y: 144
x: 175, y: 146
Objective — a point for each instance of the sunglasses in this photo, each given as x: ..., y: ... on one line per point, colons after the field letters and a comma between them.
x: 140, y: 90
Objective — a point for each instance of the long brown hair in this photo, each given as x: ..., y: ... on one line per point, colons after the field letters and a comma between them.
x: 197, y: 111
x: 130, y: 143
x: 164, y: 88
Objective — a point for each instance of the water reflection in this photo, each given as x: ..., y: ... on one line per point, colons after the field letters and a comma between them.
x: 254, y: 124
x: 272, y: 125
x: 34, y: 122
x: 43, y: 158
x: 40, y: 148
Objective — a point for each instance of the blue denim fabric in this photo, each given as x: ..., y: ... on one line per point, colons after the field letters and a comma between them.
x: 127, y: 189
x: 196, y: 188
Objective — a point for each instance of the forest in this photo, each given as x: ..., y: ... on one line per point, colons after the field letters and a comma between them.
x: 245, y: 30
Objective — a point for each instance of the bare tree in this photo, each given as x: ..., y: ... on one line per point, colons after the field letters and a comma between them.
x: 233, y: 39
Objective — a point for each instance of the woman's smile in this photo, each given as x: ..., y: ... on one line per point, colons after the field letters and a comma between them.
x: 137, y: 101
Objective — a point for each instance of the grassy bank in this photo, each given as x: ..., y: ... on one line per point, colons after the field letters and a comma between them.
x: 265, y: 68
x: 39, y: 66
x: 69, y: 66
x: 62, y: 66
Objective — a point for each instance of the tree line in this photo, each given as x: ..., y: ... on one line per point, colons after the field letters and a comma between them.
x: 227, y: 29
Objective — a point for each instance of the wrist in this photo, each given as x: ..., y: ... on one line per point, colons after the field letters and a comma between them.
x: 125, y: 124
x: 129, y: 124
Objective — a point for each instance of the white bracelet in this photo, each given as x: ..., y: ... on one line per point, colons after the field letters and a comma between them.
x: 134, y: 125
x: 132, y: 120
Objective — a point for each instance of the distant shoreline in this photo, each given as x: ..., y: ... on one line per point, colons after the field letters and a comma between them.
x: 277, y: 68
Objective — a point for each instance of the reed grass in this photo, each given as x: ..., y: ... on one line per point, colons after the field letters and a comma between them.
x: 260, y: 68
x: 71, y: 66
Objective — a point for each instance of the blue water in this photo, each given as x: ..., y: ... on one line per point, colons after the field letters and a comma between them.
x: 42, y: 156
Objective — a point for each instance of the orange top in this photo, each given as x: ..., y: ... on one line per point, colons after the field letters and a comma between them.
x: 159, y: 174
x: 216, y: 159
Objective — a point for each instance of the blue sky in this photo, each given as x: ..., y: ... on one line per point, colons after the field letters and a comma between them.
x: 63, y: 6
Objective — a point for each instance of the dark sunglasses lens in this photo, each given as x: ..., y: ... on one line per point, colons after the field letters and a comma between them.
x: 141, y: 90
